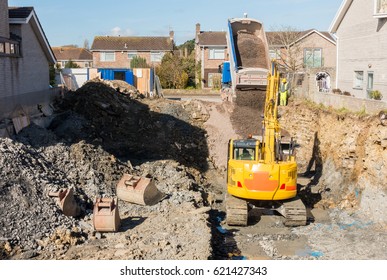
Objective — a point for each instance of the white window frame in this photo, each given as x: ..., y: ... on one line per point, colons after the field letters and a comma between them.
x: 156, y: 56
x: 370, y: 81
x: 358, y: 79
x: 131, y: 55
x: 274, y: 54
x: 380, y: 8
x: 104, y: 56
x: 216, y: 53
x: 312, y: 56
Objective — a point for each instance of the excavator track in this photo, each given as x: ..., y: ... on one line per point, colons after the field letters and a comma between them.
x: 294, y: 213
x: 236, y: 211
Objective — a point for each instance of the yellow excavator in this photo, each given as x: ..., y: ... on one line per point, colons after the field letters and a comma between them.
x: 262, y: 171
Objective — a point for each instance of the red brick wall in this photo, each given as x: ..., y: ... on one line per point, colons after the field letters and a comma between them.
x: 121, y: 60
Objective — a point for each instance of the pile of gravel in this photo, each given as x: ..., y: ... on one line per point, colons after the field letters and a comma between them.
x: 251, y: 51
x: 27, y: 213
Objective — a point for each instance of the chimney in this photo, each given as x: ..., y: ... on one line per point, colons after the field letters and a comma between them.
x: 197, y: 28
x: 171, y: 35
x: 4, y: 20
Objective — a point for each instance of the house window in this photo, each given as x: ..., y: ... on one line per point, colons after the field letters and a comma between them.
x: 380, y: 8
x: 131, y: 55
x: 274, y: 54
x: 156, y: 56
x: 108, y: 56
x: 216, y: 53
x: 370, y: 81
x: 12, y: 48
x: 313, y: 58
x: 358, y: 79
x: 9, y: 48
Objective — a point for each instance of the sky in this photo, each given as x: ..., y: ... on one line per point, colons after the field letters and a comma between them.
x: 71, y: 22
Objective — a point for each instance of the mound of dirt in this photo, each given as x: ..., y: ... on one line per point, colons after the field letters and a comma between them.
x: 134, y: 130
x: 99, y: 134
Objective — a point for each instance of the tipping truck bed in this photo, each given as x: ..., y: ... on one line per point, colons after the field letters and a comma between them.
x: 249, y: 60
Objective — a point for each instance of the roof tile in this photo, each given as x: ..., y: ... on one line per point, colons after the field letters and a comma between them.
x: 67, y: 53
x: 212, y: 38
x: 132, y: 43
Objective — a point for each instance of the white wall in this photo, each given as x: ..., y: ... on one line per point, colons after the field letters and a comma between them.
x: 362, y: 46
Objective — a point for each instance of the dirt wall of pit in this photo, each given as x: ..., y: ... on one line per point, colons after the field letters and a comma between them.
x: 344, y: 155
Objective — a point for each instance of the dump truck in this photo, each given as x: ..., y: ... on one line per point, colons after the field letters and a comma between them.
x: 262, y: 170
x: 249, y: 60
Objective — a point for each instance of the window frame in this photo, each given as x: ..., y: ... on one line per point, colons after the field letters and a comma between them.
x: 377, y: 9
x: 275, y: 54
x: 132, y: 54
x: 103, y: 57
x: 213, y: 52
x: 154, y: 54
x: 369, y: 74
x: 10, y: 48
x: 356, y: 85
x: 313, y: 50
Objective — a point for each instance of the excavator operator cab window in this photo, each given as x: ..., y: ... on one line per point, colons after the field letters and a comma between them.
x: 244, y: 153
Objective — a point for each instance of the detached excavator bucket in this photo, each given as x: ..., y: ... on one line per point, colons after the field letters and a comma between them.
x: 106, y: 217
x: 138, y: 190
x: 66, y: 202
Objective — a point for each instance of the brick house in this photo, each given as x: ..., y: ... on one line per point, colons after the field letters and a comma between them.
x: 311, y: 53
x: 117, y: 51
x: 361, y: 31
x: 81, y: 56
x: 211, y: 52
x: 25, y: 56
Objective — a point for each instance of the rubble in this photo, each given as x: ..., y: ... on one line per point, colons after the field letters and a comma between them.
x: 98, y: 134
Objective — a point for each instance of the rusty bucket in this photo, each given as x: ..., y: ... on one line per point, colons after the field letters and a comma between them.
x: 66, y: 202
x: 106, y: 217
x: 138, y: 190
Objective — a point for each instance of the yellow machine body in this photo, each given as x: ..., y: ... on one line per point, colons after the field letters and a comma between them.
x: 263, y: 168
x: 254, y: 179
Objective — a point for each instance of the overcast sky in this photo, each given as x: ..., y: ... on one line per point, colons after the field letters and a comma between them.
x: 68, y: 22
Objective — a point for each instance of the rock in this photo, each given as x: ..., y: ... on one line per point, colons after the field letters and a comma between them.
x: 29, y: 254
x: 98, y: 235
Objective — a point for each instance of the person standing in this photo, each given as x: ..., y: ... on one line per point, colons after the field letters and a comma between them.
x: 284, y: 88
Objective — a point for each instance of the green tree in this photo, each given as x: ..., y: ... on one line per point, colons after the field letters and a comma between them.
x: 189, y: 45
x: 52, y: 73
x: 177, y: 72
x: 71, y: 64
x: 138, y: 62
